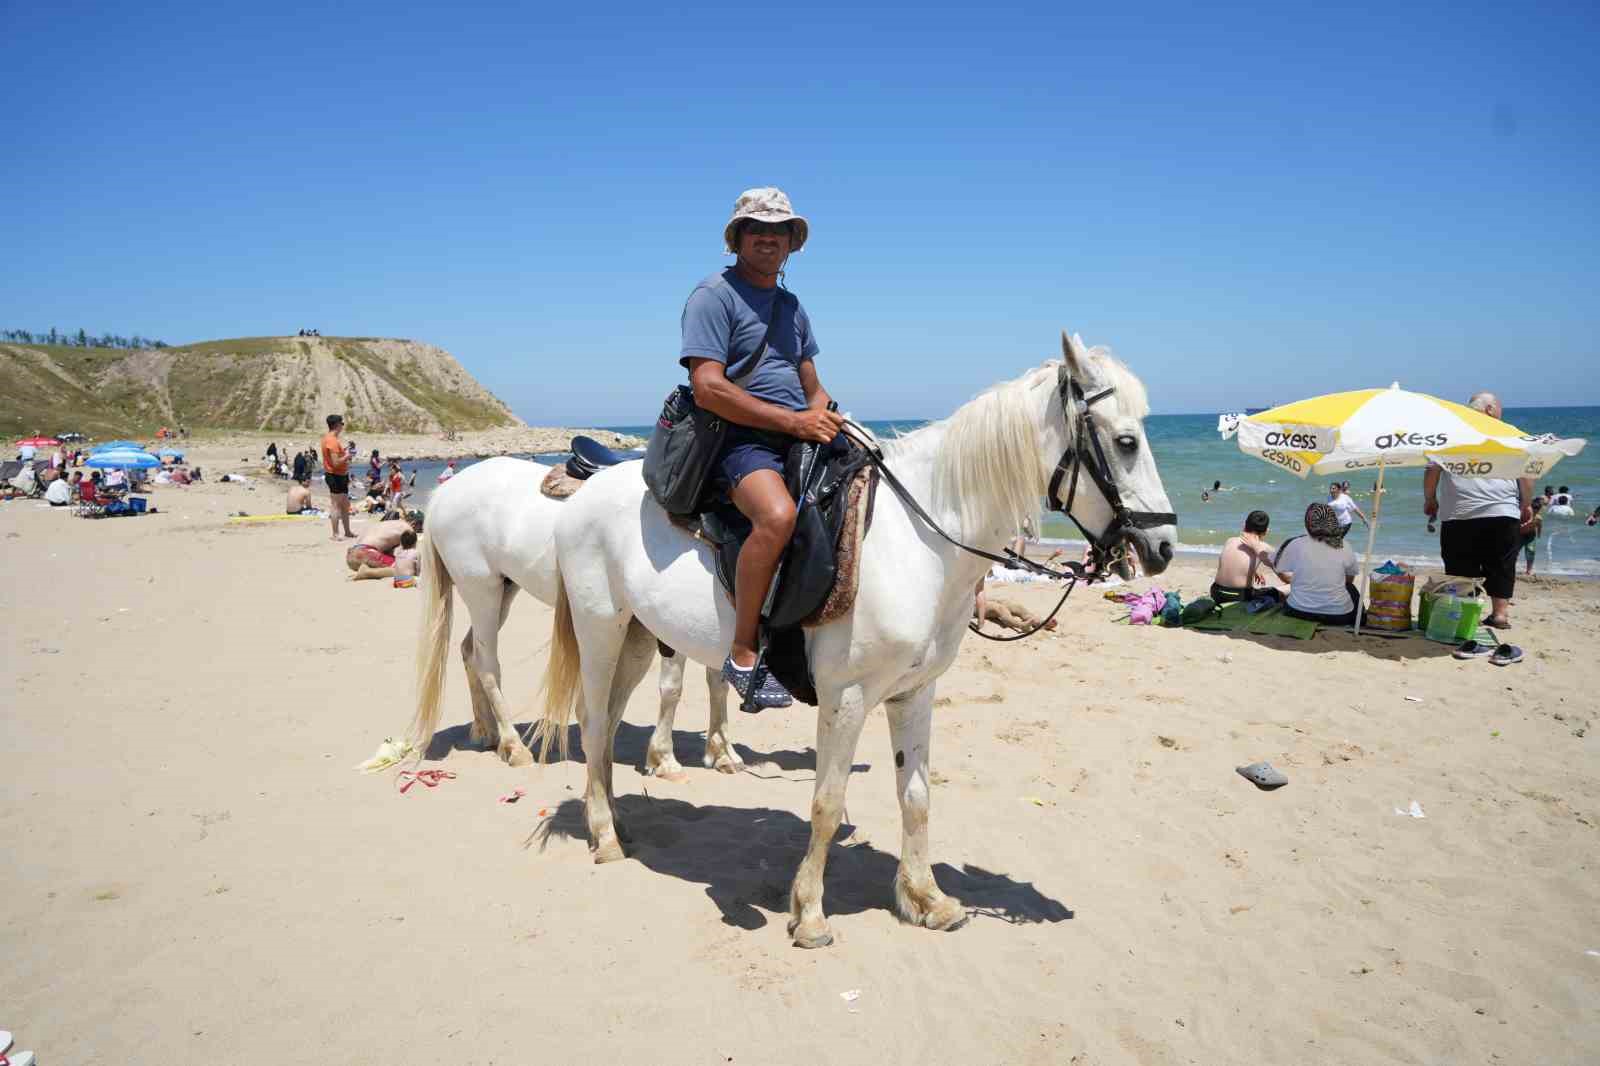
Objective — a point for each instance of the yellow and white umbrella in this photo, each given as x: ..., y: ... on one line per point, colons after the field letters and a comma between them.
x: 1372, y: 429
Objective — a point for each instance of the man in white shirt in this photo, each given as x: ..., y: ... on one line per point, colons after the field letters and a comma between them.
x: 59, y: 494
x: 1480, y: 522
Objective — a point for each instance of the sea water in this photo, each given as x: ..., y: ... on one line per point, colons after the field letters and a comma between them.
x: 1191, y: 456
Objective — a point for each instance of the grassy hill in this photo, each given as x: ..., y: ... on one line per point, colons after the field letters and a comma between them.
x: 270, y: 383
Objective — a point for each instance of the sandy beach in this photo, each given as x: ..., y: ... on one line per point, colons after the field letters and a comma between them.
x: 195, y: 873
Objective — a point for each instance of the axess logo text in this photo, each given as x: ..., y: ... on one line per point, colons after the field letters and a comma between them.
x: 1300, y: 442
x: 1402, y: 439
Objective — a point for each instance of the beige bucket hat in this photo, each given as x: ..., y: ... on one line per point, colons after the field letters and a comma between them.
x: 765, y: 205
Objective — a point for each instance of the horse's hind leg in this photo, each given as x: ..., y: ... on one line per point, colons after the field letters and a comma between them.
x: 489, y: 602
x: 917, y: 898
x: 638, y: 648
x: 659, y: 759
x: 719, y: 747
x: 605, y: 662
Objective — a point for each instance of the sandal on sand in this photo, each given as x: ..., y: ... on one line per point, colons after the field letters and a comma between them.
x: 1262, y: 775
x: 1471, y: 649
x: 20, y: 1058
x: 1506, y: 654
x: 1497, y: 623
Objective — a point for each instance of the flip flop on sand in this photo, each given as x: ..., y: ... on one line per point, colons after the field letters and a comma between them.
x: 1506, y: 654
x: 20, y: 1058
x: 1471, y: 649
x: 1262, y: 775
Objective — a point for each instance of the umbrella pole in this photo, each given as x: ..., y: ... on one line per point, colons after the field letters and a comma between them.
x: 1365, y: 584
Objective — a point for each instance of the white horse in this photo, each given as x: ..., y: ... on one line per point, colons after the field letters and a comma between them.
x: 491, y: 532
x: 628, y: 575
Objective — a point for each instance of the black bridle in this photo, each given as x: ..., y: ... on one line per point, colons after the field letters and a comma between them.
x: 1085, y: 441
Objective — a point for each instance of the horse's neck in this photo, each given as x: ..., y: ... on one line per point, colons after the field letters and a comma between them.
x: 917, y: 472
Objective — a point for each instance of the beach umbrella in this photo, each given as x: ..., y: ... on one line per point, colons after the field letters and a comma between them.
x: 117, y: 445
x: 172, y: 452
x: 122, y: 460
x: 38, y: 442
x: 1374, y: 429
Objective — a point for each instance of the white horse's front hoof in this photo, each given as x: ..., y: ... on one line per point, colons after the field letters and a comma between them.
x: 659, y: 765
x: 938, y: 912
x: 515, y: 753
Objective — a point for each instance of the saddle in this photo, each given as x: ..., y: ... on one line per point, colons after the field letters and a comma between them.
x: 588, y: 457
x: 833, y: 487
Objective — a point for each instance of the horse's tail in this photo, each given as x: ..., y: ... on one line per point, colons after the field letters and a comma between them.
x: 561, y: 679
x: 433, y: 639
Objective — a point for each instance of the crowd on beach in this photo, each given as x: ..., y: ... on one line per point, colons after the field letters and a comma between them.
x: 54, y: 472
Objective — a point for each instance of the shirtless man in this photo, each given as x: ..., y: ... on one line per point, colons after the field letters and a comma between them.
x: 299, y: 497
x: 1244, y: 570
x: 375, y: 548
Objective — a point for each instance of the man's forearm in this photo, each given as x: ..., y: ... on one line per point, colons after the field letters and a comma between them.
x: 729, y: 401
x: 1525, y: 491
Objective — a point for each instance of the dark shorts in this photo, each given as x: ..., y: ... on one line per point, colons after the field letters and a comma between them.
x: 744, y: 451
x: 1224, y: 594
x: 338, y: 484
x: 1484, y: 548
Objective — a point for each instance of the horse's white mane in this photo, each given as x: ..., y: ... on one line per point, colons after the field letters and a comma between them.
x: 986, y: 456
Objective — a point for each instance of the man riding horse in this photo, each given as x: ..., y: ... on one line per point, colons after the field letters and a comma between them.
x: 727, y: 319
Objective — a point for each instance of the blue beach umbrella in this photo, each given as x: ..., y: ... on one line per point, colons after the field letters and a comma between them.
x: 173, y: 452
x: 117, y: 445
x: 122, y: 460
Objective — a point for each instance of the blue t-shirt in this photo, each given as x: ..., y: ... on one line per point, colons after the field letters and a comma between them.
x: 725, y: 319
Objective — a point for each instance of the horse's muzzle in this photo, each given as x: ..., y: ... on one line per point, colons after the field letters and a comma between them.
x: 1155, y: 547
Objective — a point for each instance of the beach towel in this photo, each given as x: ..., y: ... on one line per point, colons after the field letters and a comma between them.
x: 1271, y: 622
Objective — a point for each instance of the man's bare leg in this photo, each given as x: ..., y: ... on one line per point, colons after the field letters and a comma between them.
x: 372, y: 573
x: 763, y: 498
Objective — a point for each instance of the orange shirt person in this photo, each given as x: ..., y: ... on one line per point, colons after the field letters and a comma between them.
x: 336, y: 472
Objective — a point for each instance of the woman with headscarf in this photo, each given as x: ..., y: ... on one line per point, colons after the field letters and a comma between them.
x: 1320, y: 571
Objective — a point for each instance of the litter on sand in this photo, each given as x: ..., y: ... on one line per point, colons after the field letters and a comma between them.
x: 1592, y: 951
x: 850, y: 996
x: 391, y: 751
x: 429, y: 778
x: 512, y: 796
x: 1413, y: 811
x: 1413, y: 699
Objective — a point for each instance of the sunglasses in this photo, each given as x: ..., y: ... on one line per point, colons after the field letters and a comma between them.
x: 767, y: 229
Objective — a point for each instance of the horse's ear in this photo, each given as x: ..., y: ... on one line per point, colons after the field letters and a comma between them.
x: 1072, y: 352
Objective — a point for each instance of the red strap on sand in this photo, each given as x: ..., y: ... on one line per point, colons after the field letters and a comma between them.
x: 430, y: 778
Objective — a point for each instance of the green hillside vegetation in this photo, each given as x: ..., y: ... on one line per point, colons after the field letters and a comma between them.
x: 257, y: 383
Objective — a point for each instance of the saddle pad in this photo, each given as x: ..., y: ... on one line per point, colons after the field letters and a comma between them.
x: 857, y: 513
x: 558, y: 484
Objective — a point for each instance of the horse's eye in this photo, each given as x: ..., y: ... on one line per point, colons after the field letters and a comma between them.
x: 1128, y: 443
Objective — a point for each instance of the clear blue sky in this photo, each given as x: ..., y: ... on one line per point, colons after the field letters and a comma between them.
x: 1248, y: 204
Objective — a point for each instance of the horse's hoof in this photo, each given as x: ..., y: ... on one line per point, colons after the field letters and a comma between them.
x: 947, y: 917
x: 610, y: 851
x: 666, y: 767
x: 812, y: 941
x: 516, y: 754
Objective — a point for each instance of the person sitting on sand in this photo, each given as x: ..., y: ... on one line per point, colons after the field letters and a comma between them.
x: 376, y: 544
x: 59, y: 494
x: 299, y: 497
x: 1243, y: 569
x: 404, y: 565
x: 1320, y: 570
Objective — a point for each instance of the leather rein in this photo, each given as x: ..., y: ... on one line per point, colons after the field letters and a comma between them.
x: 1103, y: 548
